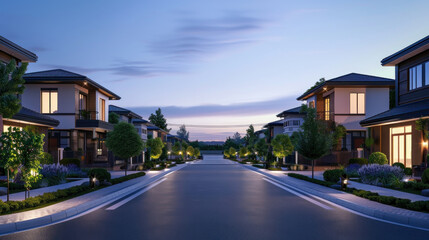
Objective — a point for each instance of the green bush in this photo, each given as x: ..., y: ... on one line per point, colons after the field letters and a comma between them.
x: 425, y: 176
x: 46, y: 158
x: 418, y: 206
x: 408, y: 171
x: 148, y: 164
x: 258, y: 166
x: 378, y: 158
x: 398, y: 164
x: 68, y: 161
x: 361, y: 161
x: 100, y: 174
x: 309, y: 179
x: 402, y: 203
x: 128, y: 177
x: 333, y: 175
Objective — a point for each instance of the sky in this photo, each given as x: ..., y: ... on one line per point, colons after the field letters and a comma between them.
x: 215, y: 66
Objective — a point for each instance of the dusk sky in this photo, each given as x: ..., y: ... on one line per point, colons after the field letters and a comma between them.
x: 216, y: 66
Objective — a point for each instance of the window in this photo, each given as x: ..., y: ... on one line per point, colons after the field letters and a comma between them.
x: 401, y: 145
x: 327, y: 108
x: 295, y: 122
x: 286, y: 123
x: 102, y: 110
x: 82, y: 101
x: 6, y: 128
x: 59, y: 138
x: 311, y: 104
x: 49, y: 101
x: 415, y: 77
x: 357, y: 103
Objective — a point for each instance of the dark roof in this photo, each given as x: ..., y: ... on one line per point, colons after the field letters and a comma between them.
x: 28, y: 115
x: 275, y: 123
x: 16, y: 51
x: 400, y: 113
x: 123, y: 111
x: 139, y: 121
x: 155, y: 128
x: 292, y: 111
x: 351, y: 79
x: 63, y: 76
x: 407, y: 52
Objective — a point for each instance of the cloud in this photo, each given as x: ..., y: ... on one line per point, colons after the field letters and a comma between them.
x: 239, y: 109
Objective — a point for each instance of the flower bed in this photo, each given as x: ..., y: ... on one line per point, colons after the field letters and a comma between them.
x: 381, y: 175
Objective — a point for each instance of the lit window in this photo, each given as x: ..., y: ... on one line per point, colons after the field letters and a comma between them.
x: 49, y: 100
x: 102, y: 110
x: 401, y: 145
x: 415, y: 77
x: 327, y: 108
x: 357, y: 103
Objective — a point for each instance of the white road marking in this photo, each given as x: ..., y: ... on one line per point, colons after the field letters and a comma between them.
x: 115, y: 206
x: 299, y: 195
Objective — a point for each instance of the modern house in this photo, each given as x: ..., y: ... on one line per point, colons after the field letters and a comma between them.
x: 274, y: 128
x: 155, y: 132
x: 260, y: 133
x: 126, y: 115
x: 293, y: 118
x: 80, y: 105
x: 25, y: 117
x: 395, y: 131
x: 349, y: 99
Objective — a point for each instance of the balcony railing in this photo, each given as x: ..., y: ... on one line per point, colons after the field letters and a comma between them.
x: 87, y: 115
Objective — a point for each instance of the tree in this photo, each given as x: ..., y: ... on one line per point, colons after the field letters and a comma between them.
x: 250, y: 138
x: 312, y: 140
x: 243, y: 152
x: 159, y: 120
x: 226, y: 153
x: 125, y: 142
x: 113, y: 118
x: 232, y: 152
x: 177, y: 148
x: 236, y: 138
x: 261, y: 147
x: 282, y: 146
x: 196, y: 153
x: 190, y: 151
x: 230, y: 143
x: 338, y: 132
x: 182, y: 133
x: 11, y: 85
x: 155, y: 146
x: 8, y: 159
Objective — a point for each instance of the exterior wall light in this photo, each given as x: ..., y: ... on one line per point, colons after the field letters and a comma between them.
x: 425, y: 144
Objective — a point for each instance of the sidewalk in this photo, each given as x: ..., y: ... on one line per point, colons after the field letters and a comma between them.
x: 350, y: 201
x: 74, y: 206
x: 40, y: 191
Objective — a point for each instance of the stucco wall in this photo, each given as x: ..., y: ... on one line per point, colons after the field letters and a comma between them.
x: 377, y: 101
x: 66, y: 97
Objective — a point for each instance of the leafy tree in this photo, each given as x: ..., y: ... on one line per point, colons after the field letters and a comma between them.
x: 243, y: 152
x: 321, y: 81
x: 312, y: 139
x: 125, y: 142
x: 159, y: 120
x: 182, y: 133
x: 250, y: 138
x: 113, y: 118
x: 177, y: 148
x: 8, y: 159
x: 230, y: 143
x: 237, y: 138
x: 155, y: 147
x: 232, y: 152
x: 190, y: 151
x: 261, y: 147
x: 226, y: 153
x: 11, y: 85
x: 196, y: 153
x: 282, y: 146
x: 338, y: 132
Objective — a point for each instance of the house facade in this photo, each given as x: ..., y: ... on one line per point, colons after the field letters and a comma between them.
x: 156, y: 132
x: 292, y: 120
x: 396, y: 132
x: 273, y: 129
x: 81, y: 107
x: 349, y: 99
x: 25, y: 117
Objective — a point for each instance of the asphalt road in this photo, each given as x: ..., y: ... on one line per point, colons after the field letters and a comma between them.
x: 219, y: 200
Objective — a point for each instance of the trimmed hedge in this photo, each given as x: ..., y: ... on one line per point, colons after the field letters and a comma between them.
x: 68, y: 161
x: 360, y: 161
x: 408, y: 171
x: 425, y: 176
x: 54, y: 197
x: 100, y: 174
x: 378, y: 158
x: 258, y: 166
x: 398, y: 164
x: 333, y: 175
x: 420, y: 206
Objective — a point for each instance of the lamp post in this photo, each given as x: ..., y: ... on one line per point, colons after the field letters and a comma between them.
x: 344, y: 181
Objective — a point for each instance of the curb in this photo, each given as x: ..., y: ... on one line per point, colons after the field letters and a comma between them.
x: 9, y: 228
x: 396, y: 217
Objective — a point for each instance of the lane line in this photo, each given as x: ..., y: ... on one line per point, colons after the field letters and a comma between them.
x: 299, y: 195
x: 115, y: 206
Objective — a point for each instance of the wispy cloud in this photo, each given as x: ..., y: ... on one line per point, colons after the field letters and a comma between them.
x: 240, y: 109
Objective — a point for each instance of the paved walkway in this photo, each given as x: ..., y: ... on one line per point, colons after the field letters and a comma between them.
x: 76, y: 202
x: 40, y: 191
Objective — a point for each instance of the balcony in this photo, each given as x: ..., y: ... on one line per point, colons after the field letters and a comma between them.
x: 88, y: 120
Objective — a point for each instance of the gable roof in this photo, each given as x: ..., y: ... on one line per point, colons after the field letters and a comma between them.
x: 292, y: 111
x: 351, y: 79
x: 403, y: 112
x: 63, y: 76
x: 29, y: 115
x: 123, y: 111
x: 16, y: 51
x: 274, y: 124
x: 407, y: 52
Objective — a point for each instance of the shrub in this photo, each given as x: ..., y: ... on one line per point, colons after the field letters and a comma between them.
x: 74, y: 171
x: 309, y: 179
x: 4, y: 207
x: 333, y: 175
x: 378, y: 158
x: 408, y: 171
x: 148, y: 164
x: 54, y: 173
x: 100, y: 174
x: 46, y: 158
x: 68, y: 161
x: 415, y: 185
x: 352, y: 169
x: 380, y: 175
x: 360, y: 161
x: 398, y: 164
x: 425, y: 176
x: 402, y: 203
x: 128, y: 177
x: 31, y: 202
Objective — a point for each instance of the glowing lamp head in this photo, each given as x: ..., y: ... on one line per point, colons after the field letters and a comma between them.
x: 425, y: 144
